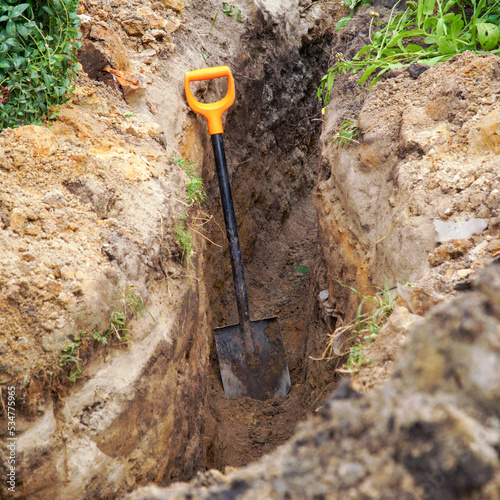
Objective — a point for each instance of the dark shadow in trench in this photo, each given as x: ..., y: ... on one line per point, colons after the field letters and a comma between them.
x: 271, y: 139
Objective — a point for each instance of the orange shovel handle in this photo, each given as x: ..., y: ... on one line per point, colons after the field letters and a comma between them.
x: 212, y: 111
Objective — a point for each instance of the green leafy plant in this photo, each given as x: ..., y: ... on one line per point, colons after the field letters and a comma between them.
x: 37, y: 58
x: 229, y: 9
x: 353, y: 6
x: 445, y: 27
x: 103, y: 339
x: 347, y: 133
x: 302, y: 270
x: 195, y: 195
x: 70, y: 357
x: 356, y: 357
x: 132, y: 301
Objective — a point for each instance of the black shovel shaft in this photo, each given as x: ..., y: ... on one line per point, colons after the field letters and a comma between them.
x: 231, y: 231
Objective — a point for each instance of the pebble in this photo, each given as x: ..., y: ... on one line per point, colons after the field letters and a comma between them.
x: 457, y: 230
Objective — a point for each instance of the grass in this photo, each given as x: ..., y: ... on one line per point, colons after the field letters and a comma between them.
x: 427, y: 32
x: 230, y: 10
x: 184, y: 238
x: 347, y: 134
x: 372, y: 314
x: 70, y: 359
x: 196, y: 195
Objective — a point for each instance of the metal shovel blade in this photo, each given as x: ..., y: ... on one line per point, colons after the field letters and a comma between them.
x: 262, y: 374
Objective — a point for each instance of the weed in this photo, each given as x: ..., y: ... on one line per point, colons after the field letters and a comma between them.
x: 184, y: 237
x: 103, y: 339
x: 357, y: 357
x: 302, y: 270
x: 365, y: 327
x: 128, y: 114
x: 213, y: 23
x: 133, y: 300
x: 70, y: 357
x: 447, y: 28
x: 195, y: 195
x: 195, y: 189
x: 204, y: 54
x: 354, y: 4
x: 348, y: 133
x: 37, y: 58
x: 229, y: 9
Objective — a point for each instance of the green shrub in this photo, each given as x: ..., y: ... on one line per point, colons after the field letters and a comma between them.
x: 37, y: 58
x: 427, y: 32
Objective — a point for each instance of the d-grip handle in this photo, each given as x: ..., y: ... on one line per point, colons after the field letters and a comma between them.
x: 211, y: 111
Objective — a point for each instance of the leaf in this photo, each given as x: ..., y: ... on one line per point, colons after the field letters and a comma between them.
x: 10, y: 29
x: 428, y: 7
x: 329, y: 81
x: 302, y: 270
x: 413, y: 48
x: 18, y: 61
x: 18, y: 10
x: 429, y: 23
x: 446, y: 45
x: 488, y: 35
x: 342, y: 23
x: 456, y: 27
x: 368, y: 72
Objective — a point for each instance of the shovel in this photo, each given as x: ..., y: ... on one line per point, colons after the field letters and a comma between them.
x: 251, y: 354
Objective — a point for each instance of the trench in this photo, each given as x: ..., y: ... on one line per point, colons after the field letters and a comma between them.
x: 271, y: 141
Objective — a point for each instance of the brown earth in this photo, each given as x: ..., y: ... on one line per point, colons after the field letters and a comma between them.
x: 88, y: 210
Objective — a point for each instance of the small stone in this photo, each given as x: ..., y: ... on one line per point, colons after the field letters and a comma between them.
x: 463, y: 273
x: 18, y: 220
x: 158, y: 34
x: 457, y: 230
x: 350, y: 473
x: 177, y: 5
x: 55, y: 199
x: 133, y: 27
x: 148, y: 38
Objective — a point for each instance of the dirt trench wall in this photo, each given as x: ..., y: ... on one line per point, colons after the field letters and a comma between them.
x: 425, y: 161
x: 88, y: 210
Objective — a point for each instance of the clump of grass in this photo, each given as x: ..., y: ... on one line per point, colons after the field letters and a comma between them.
x: 230, y: 10
x: 184, y: 238
x: 195, y: 195
x: 347, y: 133
x: 70, y: 359
x: 372, y: 314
